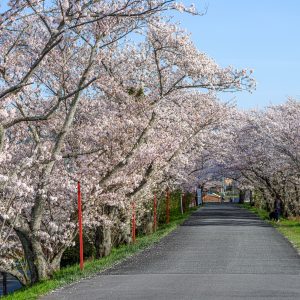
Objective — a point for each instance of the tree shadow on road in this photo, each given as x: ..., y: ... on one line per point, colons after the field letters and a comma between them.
x: 224, y: 222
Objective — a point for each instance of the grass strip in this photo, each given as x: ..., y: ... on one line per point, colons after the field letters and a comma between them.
x: 290, y: 228
x: 72, y: 274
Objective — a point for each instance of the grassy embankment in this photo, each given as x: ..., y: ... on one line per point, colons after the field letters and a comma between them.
x: 71, y: 274
x: 290, y: 228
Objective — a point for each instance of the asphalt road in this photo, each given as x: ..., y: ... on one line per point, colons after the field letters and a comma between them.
x: 221, y: 252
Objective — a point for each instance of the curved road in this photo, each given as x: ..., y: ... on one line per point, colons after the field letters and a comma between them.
x: 221, y: 252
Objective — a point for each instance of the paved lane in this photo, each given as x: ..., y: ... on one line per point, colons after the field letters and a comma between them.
x: 221, y: 252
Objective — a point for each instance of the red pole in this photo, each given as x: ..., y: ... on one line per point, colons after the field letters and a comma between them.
x: 80, y: 226
x: 133, y: 223
x: 154, y: 211
x: 168, y: 207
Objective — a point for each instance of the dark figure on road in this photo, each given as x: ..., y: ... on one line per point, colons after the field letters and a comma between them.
x: 275, y: 215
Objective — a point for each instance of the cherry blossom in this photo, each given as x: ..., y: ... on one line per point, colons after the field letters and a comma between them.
x: 80, y: 100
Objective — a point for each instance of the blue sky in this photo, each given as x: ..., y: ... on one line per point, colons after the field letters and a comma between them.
x: 260, y: 34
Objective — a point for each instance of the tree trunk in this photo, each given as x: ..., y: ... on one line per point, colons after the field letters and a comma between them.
x: 103, y: 243
x: 44, y: 269
x: 147, y: 224
x: 251, y: 198
x: 242, y: 197
x: 39, y: 267
x: 29, y: 257
x: 55, y: 263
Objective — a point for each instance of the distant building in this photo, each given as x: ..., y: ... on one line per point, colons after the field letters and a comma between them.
x: 211, y: 198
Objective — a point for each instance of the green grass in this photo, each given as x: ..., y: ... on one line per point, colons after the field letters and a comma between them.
x: 290, y: 228
x: 71, y: 274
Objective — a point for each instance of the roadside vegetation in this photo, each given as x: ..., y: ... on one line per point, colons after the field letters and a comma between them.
x: 289, y: 227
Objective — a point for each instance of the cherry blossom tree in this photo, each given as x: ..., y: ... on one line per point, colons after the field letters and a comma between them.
x: 80, y: 101
x: 50, y: 53
x: 260, y: 151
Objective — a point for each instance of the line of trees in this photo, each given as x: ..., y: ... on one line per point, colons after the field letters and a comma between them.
x: 265, y: 155
x: 110, y: 93
x: 260, y: 150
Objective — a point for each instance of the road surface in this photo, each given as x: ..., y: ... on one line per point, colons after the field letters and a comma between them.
x: 222, y: 252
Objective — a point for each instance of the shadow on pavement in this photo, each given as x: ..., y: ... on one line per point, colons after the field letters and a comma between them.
x: 224, y: 222
x: 224, y: 215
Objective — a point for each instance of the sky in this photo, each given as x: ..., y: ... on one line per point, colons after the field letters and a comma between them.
x: 263, y: 35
